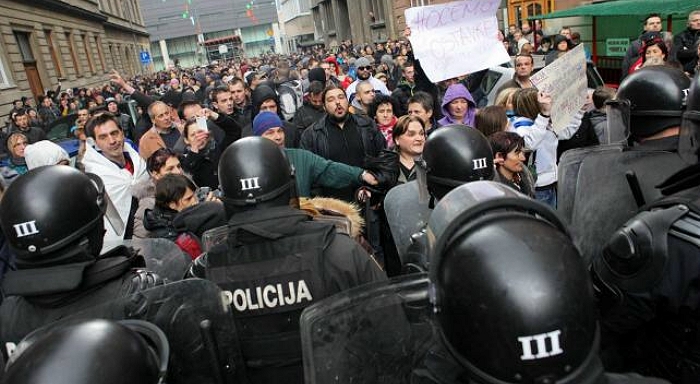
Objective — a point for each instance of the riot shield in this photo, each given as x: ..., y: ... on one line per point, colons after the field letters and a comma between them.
x: 199, y: 327
x: 568, y: 170
x: 162, y: 256
x: 608, y: 190
x: 406, y: 213
x: 376, y: 333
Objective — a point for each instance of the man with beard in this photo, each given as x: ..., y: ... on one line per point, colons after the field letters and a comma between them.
x: 342, y: 137
x: 34, y: 134
x: 364, y: 72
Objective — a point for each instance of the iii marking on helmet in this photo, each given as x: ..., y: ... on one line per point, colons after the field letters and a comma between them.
x: 26, y: 229
x: 250, y: 183
x: 541, y: 345
x: 480, y: 163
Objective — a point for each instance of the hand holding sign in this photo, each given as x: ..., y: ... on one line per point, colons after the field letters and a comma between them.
x: 443, y: 35
x: 565, y: 80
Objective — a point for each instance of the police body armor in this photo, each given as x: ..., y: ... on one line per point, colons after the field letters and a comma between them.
x: 647, y: 283
x: 199, y: 328
x: 36, y: 297
x: 268, y: 279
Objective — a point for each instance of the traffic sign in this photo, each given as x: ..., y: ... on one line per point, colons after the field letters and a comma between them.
x: 145, y: 57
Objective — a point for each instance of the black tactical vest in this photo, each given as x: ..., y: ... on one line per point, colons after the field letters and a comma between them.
x: 267, y: 284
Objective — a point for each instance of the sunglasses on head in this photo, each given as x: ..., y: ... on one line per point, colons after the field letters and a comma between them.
x: 367, y: 68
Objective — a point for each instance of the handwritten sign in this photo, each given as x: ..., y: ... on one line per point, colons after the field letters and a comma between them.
x: 564, y: 79
x: 456, y: 38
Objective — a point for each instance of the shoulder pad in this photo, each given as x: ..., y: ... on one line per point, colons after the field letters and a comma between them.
x: 634, y: 259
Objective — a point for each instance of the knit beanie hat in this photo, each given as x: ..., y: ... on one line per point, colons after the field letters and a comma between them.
x: 264, y: 121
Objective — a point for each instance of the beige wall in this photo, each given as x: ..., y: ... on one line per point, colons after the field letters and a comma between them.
x: 98, y: 37
x: 299, y: 26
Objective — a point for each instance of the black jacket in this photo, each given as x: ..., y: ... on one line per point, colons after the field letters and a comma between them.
x: 683, y: 46
x: 37, y: 297
x: 305, y: 117
x: 203, y: 165
x: 275, y: 250
x: 315, y: 139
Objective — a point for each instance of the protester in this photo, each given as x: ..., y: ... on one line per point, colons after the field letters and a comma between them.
x: 17, y: 165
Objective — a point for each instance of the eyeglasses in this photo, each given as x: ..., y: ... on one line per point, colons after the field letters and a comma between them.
x: 367, y: 68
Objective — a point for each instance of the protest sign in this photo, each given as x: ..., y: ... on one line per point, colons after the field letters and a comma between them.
x: 456, y: 38
x: 565, y: 80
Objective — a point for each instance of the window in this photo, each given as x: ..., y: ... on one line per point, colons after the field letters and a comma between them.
x: 100, y: 54
x: 88, y: 52
x: 5, y: 81
x: 73, y: 54
x: 376, y: 9
x: 55, y: 57
x: 25, y: 48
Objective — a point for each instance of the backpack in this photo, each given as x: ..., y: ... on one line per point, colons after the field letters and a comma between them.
x: 291, y: 98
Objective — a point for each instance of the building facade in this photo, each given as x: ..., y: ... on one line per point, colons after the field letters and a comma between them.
x: 363, y: 21
x: 296, y: 24
x: 179, y: 29
x: 76, y: 43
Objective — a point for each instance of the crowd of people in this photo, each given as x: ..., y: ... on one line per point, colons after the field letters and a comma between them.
x: 238, y: 144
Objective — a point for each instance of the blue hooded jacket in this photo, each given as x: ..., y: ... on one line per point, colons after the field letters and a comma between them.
x: 456, y: 91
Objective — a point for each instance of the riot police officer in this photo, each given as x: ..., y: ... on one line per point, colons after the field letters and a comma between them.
x: 275, y: 261
x: 511, y: 298
x: 453, y: 155
x: 73, y: 353
x: 648, y: 272
x: 603, y: 186
x: 53, y: 220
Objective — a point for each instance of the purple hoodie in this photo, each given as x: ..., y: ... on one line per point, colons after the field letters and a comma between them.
x: 456, y: 91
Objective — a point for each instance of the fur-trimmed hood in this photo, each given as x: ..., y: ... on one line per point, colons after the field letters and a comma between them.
x: 326, y: 207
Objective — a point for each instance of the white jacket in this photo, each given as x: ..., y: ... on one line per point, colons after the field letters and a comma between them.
x: 539, y: 137
x: 118, y: 182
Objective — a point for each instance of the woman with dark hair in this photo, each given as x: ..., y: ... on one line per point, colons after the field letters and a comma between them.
x: 201, y: 156
x: 162, y: 162
x: 178, y: 216
x: 408, y: 137
x: 383, y: 110
x: 508, y: 158
x: 654, y: 52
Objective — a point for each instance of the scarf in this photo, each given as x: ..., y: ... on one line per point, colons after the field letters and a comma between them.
x: 386, y: 130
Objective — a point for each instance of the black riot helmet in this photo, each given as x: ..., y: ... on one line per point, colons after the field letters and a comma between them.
x: 512, y: 297
x: 689, y: 141
x: 50, y: 208
x: 254, y: 173
x: 456, y: 154
x: 91, y: 351
x: 657, y: 96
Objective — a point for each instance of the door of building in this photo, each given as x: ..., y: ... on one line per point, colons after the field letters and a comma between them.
x: 34, y: 80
